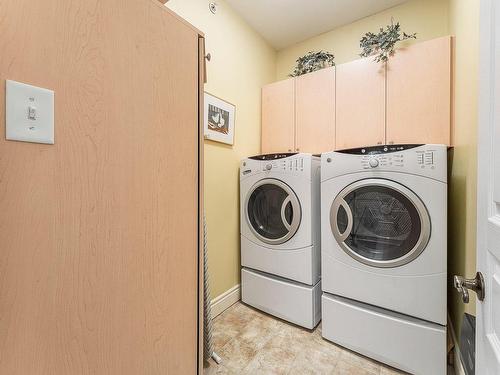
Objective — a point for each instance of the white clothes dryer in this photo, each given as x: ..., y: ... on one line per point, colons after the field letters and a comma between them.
x: 384, y: 238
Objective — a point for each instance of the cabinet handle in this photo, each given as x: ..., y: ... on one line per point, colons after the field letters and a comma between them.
x: 379, y: 143
x: 206, y: 58
x: 391, y: 142
x: 289, y: 150
x: 297, y: 149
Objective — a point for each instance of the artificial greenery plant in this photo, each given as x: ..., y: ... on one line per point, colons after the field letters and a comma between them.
x: 383, y: 43
x: 313, y: 61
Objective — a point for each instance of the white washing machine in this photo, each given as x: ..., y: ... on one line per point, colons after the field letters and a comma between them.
x: 384, y: 238
x: 280, y: 236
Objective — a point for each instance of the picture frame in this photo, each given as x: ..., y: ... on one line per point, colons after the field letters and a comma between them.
x: 219, y: 119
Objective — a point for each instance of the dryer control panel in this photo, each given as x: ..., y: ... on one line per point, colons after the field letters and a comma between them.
x: 424, y: 160
x: 387, y: 156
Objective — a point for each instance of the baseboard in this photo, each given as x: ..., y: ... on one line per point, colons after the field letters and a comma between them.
x: 459, y: 368
x: 225, y: 300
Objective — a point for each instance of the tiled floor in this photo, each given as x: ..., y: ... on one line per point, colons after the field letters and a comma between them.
x: 251, y: 342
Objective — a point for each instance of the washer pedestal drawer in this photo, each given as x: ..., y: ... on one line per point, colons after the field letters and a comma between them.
x: 302, y: 265
x: 292, y: 301
x: 407, y: 343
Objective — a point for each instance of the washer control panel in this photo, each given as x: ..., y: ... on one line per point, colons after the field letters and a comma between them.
x: 276, y: 163
x: 272, y: 156
x: 288, y: 164
x: 295, y: 164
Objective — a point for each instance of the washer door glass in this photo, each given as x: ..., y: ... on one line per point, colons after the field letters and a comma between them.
x: 380, y: 223
x: 273, y: 211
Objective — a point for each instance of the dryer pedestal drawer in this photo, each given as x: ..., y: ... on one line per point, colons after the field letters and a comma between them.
x: 288, y: 300
x: 409, y: 344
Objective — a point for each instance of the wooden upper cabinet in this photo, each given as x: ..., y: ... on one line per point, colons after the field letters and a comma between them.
x: 419, y: 93
x: 360, y: 104
x: 315, y: 111
x: 363, y: 103
x: 278, y: 117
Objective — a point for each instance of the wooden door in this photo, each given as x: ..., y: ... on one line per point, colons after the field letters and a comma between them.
x: 360, y: 104
x: 315, y: 111
x: 98, y: 232
x: 278, y: 117
x: 419, y: 93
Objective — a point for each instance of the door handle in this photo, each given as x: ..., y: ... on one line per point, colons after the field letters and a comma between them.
x: 283, y: 216
x: 350, y: 221
x: 463, y: 285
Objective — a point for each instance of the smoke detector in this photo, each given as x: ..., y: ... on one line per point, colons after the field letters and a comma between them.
x: 213, y: 7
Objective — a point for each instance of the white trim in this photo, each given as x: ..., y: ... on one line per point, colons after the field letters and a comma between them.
x: 457, y: 357
x: 224, y: 301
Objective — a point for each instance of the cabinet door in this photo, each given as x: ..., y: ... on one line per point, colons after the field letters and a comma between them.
x: 99, y: 232
x: 360, y: 102
x: 315, y: 111
x: 419, y: 93
x: 278, y: 117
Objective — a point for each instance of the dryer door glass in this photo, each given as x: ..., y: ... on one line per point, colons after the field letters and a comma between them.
x: 273, y: 211
x: 380, y: 223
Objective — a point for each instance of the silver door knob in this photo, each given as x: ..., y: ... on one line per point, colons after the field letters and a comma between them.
x: 463, y: 285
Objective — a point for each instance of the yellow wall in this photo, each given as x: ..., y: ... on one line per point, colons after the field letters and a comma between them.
x: 428, y: 18
x: 242, y: 62
x: 464, y: 24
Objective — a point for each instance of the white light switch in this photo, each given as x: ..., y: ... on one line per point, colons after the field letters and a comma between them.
x: 29, y: 113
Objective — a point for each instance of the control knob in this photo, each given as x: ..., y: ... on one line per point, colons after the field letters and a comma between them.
x: 373, y: 162
x: 269, y: 167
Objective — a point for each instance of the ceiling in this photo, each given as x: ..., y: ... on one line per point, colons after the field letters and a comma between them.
x: 285, y: 22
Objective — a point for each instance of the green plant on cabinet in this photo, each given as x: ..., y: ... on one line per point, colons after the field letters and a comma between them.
x: 383, y: 44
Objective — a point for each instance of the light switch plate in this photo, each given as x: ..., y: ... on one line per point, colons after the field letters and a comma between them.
x: 29, y: 113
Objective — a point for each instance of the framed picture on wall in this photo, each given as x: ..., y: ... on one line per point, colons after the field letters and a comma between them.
x: 219, y: 119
